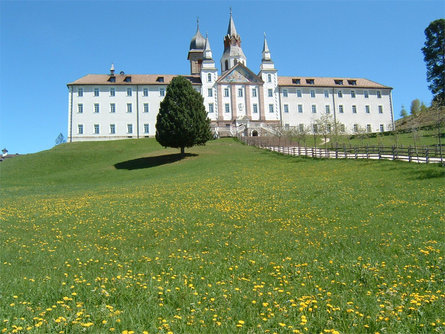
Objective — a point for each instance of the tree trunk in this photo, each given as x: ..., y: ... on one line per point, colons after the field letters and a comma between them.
x: 182, y: 150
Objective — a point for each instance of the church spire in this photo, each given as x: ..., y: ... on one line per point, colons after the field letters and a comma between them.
x: 231, y: 30
x: 233, y: 53
x: 266, y: 52
x: 207, y: 49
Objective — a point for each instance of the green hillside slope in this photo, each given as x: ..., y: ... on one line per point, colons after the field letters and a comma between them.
x: 124, y: 236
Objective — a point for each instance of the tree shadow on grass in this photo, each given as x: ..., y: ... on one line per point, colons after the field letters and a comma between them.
x: 149, y: 162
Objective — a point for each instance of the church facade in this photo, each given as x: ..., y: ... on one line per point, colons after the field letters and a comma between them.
x: 238, y: 101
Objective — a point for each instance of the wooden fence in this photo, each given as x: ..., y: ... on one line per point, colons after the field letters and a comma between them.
x: 424, y: 154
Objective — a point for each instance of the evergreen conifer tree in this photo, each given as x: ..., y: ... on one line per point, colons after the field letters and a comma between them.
x: 182, y: 119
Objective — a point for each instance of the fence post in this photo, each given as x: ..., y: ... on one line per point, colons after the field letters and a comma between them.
x: 409, y: 153
x: 355, y: 152
x: 393, y: 152
x: 344, y: 149
x: 367, y: 151
x: 336, y: 151
x: 427, y: 158
x: 380, y: 152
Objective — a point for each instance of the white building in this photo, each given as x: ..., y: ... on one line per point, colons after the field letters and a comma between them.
x: 117, y: 106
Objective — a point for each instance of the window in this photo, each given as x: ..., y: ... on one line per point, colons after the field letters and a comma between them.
x: 355, y: 127
x: 352, y: 82
x: 296, y: 81
x: 329, y: 128
x: 127, y: 79
x: 314, y: 109
x: 240, y: 92
x: 368, y: 127
x: 366, y: 94
x: 382, y: 128
x: 340, y: 109
x: 310, y: 81
x: 209, y: 77
x: 129, y: 91
x: 269, y: 78
x: 379, y: 94
x: 161, y: 91
x: 340, y: 93
x: 112, y: 79
x: 210, y: 92
x: 380, y: 109
x: 146, y: 108
x: 253, y: 92
x: 326, y: 93
x: 80, y: 108
x: 314, y: 128
x: 338, y: 82
x: 285, y: 92
x: 353, y: 94
x: 96, y: 108
x: 286, y: 108
x: 328, y: 109
x: 227, y: 64
x: 255, y: 108
x: 367, y: 109
x: 129, y: 107
x: 129, y: 128
x: 298, y: 93
x: 312, y: 93
x: 160, y: 79
x: 146, y: 128
x: 96, y: 129
x: 286, y: 126
x: 271, y: 108
x: 227, y: 108
x: 96, y: 91
x: 80, y: 92
x: 354, y: 109
x: 270, y: 92
x: 301, y: 127
x: 80, y: 129
x: 112, y: 91
x: 300, y: 108
x: 112, y: 108
x: 211, y: 108
x: 112, y: 129
x: 145, y: 92
x: 226, y: 92
x: 342, y: 127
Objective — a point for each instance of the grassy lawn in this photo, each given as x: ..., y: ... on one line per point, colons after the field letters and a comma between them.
x: 125, y: 236
x: 421, y: 138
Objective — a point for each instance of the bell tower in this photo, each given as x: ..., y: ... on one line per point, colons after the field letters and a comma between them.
x: 233, y: 53
x: 196, y: 51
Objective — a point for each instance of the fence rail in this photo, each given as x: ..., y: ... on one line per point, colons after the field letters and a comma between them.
x: 424, y: 154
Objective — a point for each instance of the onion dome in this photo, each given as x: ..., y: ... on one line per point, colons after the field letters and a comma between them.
x: 198, y: 41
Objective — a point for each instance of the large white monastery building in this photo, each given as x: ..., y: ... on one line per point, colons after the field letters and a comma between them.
x: 117, y: 106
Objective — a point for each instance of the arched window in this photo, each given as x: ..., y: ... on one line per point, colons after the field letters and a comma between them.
x: 209, y: 77
x: 269, y: 78
x: 227, y: 64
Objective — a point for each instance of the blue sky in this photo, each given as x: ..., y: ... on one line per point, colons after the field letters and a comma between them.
x: 46, y: 44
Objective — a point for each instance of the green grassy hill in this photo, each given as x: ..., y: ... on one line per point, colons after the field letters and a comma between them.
x: 125, y: 236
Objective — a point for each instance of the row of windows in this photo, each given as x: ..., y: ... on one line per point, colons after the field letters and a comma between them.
x: 227, y: 92
x: 96, y: 91
x: 112, y: 128
x: 96, y: 108
x: 326, y: 93
x: 356, y: 127
x: 227, y: 108
x: 328, y: 109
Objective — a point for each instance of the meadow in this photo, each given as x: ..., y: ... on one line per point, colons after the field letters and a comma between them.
x: 126, y: 237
